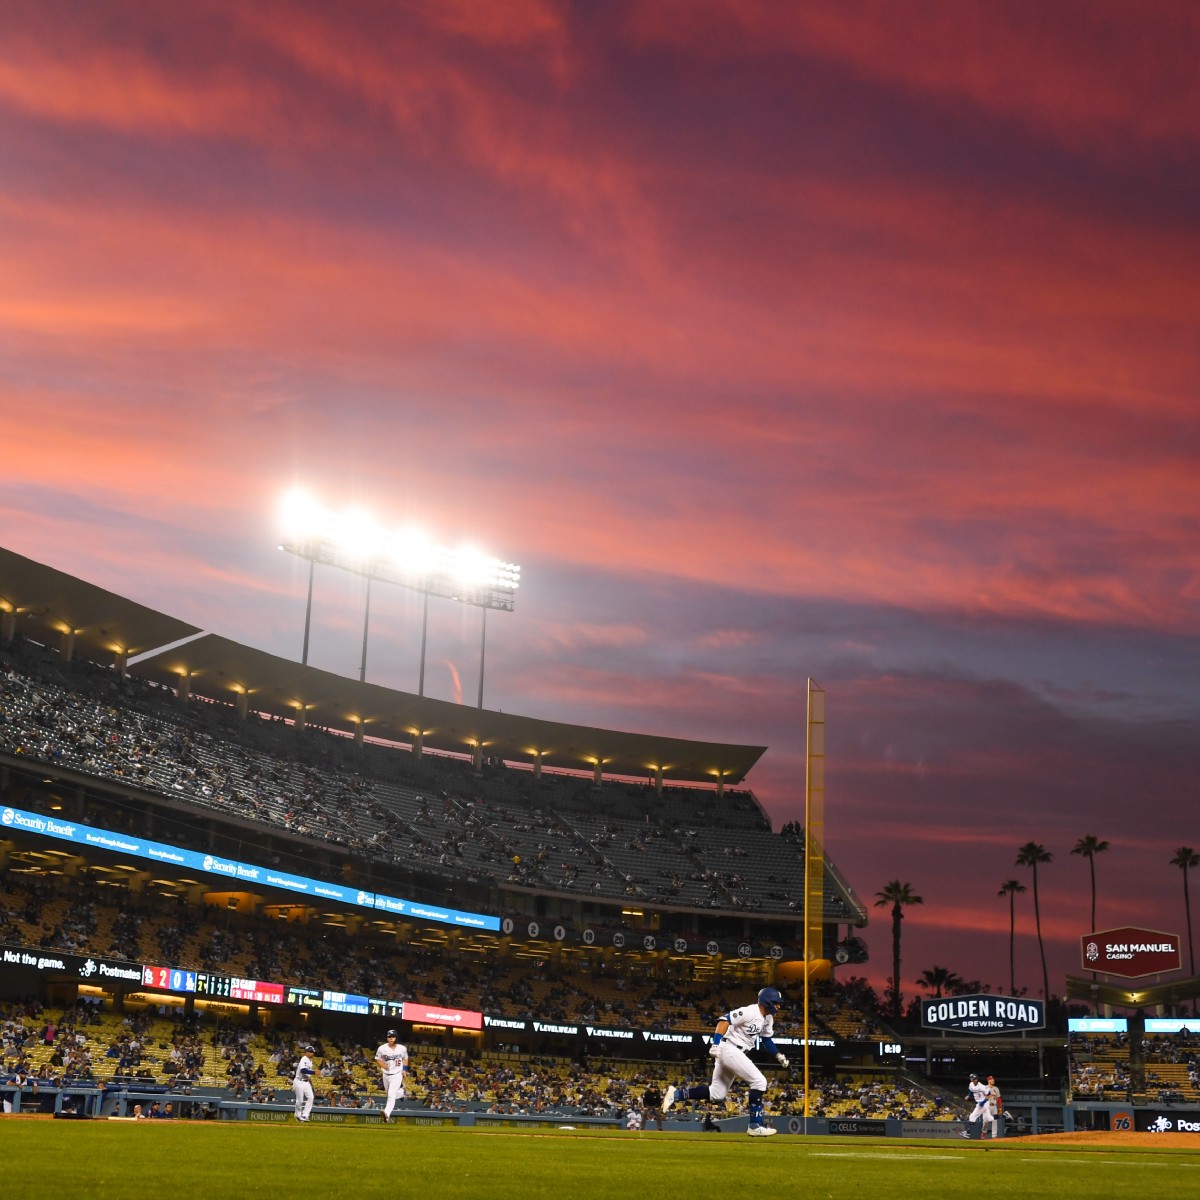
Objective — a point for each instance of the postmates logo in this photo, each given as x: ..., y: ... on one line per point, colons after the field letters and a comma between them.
x: 1181, y: 1125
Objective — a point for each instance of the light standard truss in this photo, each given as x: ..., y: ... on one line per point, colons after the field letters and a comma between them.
x: 351, y: 541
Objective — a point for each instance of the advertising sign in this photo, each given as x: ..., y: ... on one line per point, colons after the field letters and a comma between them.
x: 428, y: 1014
x: 1130, y: 953
x: 983, y: 1014
x: 858, y: 1126
x: 235, y: 871
x: 1097, y: 1025
x: 930, y: 1129
x: 1166, y: 1120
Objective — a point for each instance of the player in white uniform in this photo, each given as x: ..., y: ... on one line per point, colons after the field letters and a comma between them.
x: 981, y: 1095
x: 735, y: 1036
x: 995, y: 1104
x: 302, y: 1084
x: 392, y: 1058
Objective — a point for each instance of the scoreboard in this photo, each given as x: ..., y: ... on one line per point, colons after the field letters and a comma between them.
x: 344, y: 1002
x: 169, y: 979
x: 386, y: 1008
x: 303, y: 997
x: 256, y: 990
x: 220, y: 987
x: 209, y: 985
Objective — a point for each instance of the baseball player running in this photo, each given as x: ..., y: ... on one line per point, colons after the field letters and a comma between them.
x: 734, y: 1037
x: 981, y: 1095
x: 392, y: 1058
x: 302, y: 1084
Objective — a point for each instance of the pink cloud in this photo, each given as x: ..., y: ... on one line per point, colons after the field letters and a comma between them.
x: 1090, y: 73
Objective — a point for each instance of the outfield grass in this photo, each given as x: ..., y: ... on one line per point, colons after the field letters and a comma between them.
x: 115, y: 1160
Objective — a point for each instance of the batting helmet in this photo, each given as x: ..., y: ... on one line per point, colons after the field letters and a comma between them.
x: 769, y: 999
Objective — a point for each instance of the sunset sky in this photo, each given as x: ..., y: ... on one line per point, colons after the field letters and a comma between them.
x: 849, y: 340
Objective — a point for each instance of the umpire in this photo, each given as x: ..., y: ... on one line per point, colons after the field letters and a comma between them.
x: 652, y: 1099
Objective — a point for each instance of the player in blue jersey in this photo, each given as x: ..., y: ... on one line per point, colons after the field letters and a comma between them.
x: 734, y: 1038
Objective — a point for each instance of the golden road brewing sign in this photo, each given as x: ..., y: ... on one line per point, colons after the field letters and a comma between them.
x: 983, y: 1014
x: 1130, y: 953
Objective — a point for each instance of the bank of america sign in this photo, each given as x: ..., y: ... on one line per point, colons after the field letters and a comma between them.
x: 983, y: 1014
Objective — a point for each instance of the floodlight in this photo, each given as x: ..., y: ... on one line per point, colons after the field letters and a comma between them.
x: 302, y: 517
x: 355, y: 542
x: 359, y: 536
x: 412, y: 551
x: 472, y: 568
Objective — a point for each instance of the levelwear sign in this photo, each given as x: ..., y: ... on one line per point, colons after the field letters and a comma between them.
x: 983, y: 1014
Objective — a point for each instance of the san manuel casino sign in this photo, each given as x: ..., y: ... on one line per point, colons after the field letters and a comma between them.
x: 983, y: 1014
x: 1130, y: 953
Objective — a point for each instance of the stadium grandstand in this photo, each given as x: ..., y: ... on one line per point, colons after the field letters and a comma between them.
x: 213, y: 852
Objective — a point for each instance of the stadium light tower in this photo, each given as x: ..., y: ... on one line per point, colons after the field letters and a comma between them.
x: 353, y: 541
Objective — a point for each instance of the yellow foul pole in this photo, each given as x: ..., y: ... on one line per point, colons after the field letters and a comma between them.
x: 814, y: 862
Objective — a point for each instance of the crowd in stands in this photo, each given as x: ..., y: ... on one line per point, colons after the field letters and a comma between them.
x: 221, y: 1058
x: 49, y: 911
x: 1101, y: 1068
x: 683, y: 847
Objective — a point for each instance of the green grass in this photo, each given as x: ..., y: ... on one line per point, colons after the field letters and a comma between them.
x: 230, y: 1159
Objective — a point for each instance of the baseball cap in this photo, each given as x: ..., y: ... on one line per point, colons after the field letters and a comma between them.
x: 392, y: 1033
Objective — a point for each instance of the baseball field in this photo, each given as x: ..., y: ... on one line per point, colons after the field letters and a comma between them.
x: 113, y: 1160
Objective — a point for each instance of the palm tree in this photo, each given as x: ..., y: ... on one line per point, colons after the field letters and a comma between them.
x: 1012, y: 888
x: 1186, y: 857
x: 1029, y: 855
x: 1089, y: 846
x: 898, y: 895
x: 938, y: 978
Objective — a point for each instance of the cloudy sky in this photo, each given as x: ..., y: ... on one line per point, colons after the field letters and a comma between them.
x: 772, y: 340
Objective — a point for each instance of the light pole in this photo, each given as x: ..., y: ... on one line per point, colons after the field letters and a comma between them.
x: 312, y: 566
x: 362, y: 671
x: 482, y: 645
x: 353, y: 543
x: 424, y: 630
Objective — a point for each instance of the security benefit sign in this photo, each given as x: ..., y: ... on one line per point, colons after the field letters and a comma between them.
x: 1130, y: 953
x: 983, y: 1014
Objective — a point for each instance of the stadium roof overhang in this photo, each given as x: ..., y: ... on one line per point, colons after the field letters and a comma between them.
x: 1128, y: 994
x: 48, y: 605
x: 220, y: 669
x: 52, y: 607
